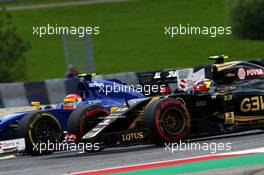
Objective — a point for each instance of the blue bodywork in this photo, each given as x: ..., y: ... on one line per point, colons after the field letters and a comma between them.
x: 91, y: 91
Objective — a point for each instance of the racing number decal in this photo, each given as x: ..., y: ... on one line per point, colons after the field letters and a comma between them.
x: 228, y: 97
x: 172, y: 74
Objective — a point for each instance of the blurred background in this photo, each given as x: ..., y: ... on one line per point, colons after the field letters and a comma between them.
x: 131, y: 35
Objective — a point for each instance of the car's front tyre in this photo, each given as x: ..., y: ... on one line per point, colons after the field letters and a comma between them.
x: 85, y: 118
x: 41, y: 130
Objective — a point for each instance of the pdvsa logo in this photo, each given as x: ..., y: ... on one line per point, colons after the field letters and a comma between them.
x: 242, y: 73
x: 255, y: 72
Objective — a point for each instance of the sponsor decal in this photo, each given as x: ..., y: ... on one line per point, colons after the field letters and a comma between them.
x: 229, y: 118
x: 183, y: 84
x: 187, y: 78
x: 96, y: 84
x: 255, y: 103
x: 132, y: 136
x: 243, y: 73
x: 255, y: 72
x: 7, y: 145
x: 186, y: 83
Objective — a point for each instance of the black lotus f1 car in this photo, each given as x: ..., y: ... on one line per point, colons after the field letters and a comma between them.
x: 235, y: 103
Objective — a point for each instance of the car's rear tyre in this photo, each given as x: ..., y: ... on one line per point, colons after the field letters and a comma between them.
x: 167, y: 120
x: 41, y: 131
x: 85, y: 118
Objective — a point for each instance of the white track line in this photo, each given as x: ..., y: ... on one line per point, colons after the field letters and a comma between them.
x: 7, y: 157
x: 62, y: 4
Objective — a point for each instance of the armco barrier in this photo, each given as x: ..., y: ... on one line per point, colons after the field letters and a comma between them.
x: 128, y: 77
x: 13, y: 94
x: 56, y: 90
x: 37, y: 91
x: 70, y: 85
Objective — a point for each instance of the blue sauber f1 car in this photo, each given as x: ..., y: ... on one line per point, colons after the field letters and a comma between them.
x: 50, y: 124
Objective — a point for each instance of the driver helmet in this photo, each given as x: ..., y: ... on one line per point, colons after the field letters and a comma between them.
x: 71, y: 101
x: 203, y: 85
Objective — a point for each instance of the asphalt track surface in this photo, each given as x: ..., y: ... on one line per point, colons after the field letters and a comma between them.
x: 69, y: 162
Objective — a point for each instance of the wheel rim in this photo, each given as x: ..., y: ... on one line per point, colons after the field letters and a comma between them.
x: 46, y: 130
x: 172, y: 121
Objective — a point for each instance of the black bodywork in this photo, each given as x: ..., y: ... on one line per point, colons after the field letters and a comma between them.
x: 234, y: 104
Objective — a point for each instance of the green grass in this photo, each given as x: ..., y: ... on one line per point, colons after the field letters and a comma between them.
x: 132, y: 36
